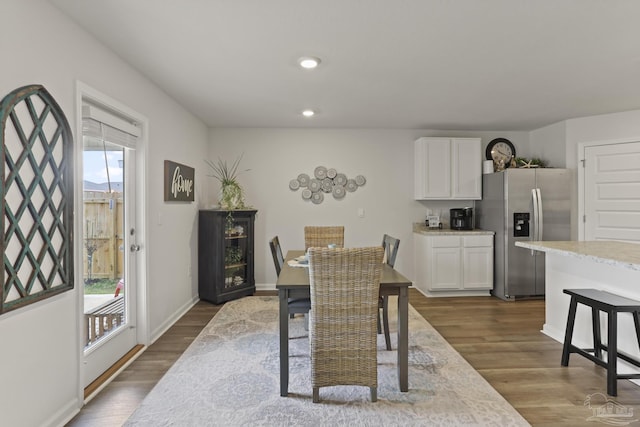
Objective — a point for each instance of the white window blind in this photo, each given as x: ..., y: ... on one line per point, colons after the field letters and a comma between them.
x: 99, y: 125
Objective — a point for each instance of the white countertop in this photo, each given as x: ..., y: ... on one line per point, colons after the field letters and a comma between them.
x: 622, y: 254
x: 421, y: 228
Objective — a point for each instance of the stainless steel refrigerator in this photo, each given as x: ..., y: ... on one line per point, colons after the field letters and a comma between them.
x: 521, y: 205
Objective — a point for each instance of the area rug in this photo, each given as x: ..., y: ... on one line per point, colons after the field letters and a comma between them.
x: 229, y: 376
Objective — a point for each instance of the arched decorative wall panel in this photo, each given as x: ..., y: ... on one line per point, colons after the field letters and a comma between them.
x: 37, y: 198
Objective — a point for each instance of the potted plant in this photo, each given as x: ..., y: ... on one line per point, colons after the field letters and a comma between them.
x: 232, y: 194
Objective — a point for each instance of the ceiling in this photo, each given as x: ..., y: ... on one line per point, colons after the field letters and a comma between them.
x: 407, y: 64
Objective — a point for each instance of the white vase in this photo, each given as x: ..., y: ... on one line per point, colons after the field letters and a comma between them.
x: 231, y: 197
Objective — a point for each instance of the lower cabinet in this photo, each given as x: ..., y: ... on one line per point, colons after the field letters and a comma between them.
x: 454, y: 264
x: 225, y: 254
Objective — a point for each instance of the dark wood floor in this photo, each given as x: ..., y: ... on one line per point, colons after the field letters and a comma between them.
x: 502, y: 340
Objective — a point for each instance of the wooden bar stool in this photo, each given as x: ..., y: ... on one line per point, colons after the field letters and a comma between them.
x: 612, y: 305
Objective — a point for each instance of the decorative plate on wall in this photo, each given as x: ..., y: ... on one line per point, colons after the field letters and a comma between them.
x: 317, y: 198
x: 327, y: 185
x: 341, y: 179
x: 320, y: 172
x: 303, y: 179
x: 314, y: 185
x: 325, y: 181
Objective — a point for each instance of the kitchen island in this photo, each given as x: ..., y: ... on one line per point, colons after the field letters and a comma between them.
x: 607, y: 265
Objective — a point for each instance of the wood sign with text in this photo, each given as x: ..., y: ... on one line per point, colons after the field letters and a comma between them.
x: 178, y: 182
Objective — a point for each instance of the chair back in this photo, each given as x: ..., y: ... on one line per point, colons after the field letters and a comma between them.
x: 323, y: 236
x: 276, y: 252
x: 344, y: 285
x: 390, y: 246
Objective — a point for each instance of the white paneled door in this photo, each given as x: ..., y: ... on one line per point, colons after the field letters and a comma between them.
x: 612, y: 192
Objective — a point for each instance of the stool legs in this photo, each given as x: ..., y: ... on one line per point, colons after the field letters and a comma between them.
x: 571, y: 320
x: 612, y: 354
x: 597, y: 340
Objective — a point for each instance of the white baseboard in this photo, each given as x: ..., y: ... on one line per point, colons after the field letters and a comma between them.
x: 65, y: 414
x: 463, y: 293
x: 265, y: 286
x: 169, y: 322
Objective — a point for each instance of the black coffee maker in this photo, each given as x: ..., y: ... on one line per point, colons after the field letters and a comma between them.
x: 461, y: 219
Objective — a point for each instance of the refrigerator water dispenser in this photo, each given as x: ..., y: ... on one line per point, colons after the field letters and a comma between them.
x: 521, y: 224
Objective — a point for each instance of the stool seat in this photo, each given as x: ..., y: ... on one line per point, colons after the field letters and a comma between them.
x: 611, y: 304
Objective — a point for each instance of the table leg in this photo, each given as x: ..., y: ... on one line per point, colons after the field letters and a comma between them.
x: 403, y: 339
x: 284, y: 343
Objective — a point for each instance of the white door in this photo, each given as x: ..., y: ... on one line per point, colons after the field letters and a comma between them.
x: 612, y: 192
x: 109, y: 240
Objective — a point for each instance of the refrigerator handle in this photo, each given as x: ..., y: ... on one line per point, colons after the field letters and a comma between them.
x: 534, y: 225
x: 540, y: 225
x: 534, y: 220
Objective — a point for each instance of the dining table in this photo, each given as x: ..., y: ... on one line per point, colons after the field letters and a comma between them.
x: 293, y: 282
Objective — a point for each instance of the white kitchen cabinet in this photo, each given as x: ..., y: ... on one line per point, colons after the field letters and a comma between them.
x: 477, y: 262
x: 447, y: 168
x: 454, y: 263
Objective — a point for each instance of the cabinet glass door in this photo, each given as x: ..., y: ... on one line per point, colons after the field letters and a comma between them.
x: 235, y: 252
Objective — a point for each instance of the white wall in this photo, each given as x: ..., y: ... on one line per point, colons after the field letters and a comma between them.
x: 40, y: 346
x: 605, y: 127
x: 549, y: 144
x: 384, y: 157
x: 558, y: 143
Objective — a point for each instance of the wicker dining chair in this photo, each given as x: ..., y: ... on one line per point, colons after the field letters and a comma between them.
x: 294, y: 305
x: 323, y: 236
x: 390, y: 246
x: 344, y: 286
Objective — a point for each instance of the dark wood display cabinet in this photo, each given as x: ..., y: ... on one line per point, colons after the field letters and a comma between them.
x: 225, y: 254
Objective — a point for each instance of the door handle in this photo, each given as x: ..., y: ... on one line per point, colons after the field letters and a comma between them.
x: 135, y: 248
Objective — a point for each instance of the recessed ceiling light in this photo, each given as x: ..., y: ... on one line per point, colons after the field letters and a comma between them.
x: 309, y: 62
x: 308, y: 113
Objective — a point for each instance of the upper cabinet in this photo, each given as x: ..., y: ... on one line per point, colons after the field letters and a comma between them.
x: 448, y: 168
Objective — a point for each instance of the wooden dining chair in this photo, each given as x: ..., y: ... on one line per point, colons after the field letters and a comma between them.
x: 323, y: 236
x: 294, y: 305
x: 390, y: 246
x: 344, y: 285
